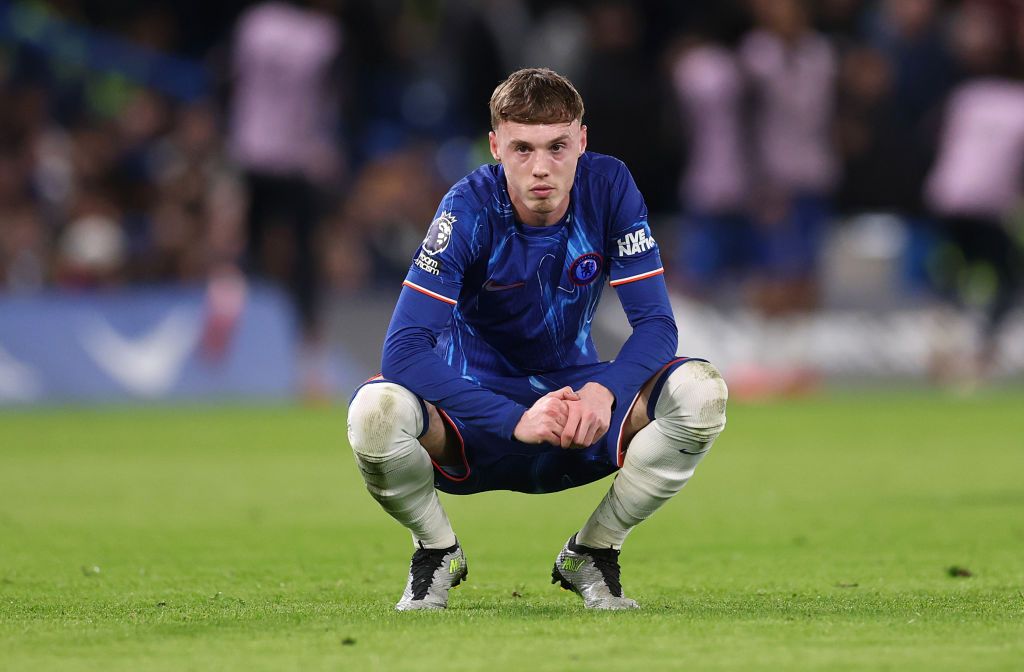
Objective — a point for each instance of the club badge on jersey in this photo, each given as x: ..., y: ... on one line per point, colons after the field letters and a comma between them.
x: 585, y: 268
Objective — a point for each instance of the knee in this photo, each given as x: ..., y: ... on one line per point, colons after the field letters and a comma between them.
x: 693, y: 400
x: 380, y: 414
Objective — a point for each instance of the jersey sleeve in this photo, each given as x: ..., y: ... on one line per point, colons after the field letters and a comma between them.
x: 410, y: 360
x: 637, y: 275
x: 441, y: 260
x: 630, y: 247
x: 429, y: 293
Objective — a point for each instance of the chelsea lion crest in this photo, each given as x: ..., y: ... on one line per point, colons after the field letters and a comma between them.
x: 585, y: 268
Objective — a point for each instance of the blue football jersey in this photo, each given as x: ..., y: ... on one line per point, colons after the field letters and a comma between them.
x: 488, y: 298
x: 523, y: 297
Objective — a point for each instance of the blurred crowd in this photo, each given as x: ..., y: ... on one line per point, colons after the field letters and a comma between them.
x: 319, y: 136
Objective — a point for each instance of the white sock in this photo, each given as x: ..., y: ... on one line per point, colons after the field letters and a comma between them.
x: 689, y: 415
x: 383, y: 422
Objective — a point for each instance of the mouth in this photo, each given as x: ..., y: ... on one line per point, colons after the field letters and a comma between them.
x: 542, y: 190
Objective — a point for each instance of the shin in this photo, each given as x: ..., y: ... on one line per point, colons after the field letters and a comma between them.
x: 689, y: 415
x: 384, y: 421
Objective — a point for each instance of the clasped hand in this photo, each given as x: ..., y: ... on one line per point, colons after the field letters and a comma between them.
x: 568, y: 418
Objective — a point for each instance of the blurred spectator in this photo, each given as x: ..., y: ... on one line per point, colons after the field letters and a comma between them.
x: 23, y: 249
x: 21, y: 238
x: 892, y: 90
x: 717, y: 234
x: 621, y: 90
x: 556, y: 38
x: 92, y: 249
x: 911, y: 36
x: 196, y: 221
x: 382, y: 219
x: 841, y: 19
x: 792, y: 71
x: 471, y: 47
x: 976, y: 184
x: 283, y: 135
x: 884, y: 160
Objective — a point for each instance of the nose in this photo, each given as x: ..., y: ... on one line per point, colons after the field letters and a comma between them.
x: 540, y: 167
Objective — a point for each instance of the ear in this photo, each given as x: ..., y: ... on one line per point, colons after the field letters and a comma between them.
x: 492, y: 137
x: 583, y: 139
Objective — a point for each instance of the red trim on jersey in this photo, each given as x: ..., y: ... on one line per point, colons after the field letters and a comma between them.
x: 634, y: 278
x: 462, y: 450
x: 424, y: 290
x: 620, y: 451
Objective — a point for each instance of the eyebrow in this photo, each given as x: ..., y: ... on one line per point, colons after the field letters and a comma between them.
x: 562, y: 138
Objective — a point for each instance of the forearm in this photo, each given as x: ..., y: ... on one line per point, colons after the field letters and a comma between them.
x: 409, y: 360
x: 653, y: 342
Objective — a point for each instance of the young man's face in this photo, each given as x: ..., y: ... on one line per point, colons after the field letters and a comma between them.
x: 540, y: 164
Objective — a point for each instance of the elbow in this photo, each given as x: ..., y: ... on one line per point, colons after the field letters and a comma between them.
x: 672, y: 337
x: 388, y: 367
x: 659, y: 335
x: 391, y: 362
x: 402, y: 350
x: 668, y: 334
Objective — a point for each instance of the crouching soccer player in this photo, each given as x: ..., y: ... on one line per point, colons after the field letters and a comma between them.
x: 490, y: 379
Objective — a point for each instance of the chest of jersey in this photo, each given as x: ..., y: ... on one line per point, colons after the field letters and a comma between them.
x: 529, y: 270
x: 535, y: 293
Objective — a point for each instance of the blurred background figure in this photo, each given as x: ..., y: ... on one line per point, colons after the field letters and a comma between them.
x: 623, y: 94
x: 283, y: 134
x: 975, y: 186
x: 792, y: 73
x: 892, y: 86
x: 25, y: 245
x: 718, y: 245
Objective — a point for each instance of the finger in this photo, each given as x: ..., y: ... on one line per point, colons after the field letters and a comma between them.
x: 566, y: 393
x: 545, y: 431
x: 571, y: 424
x: 556, y: 403
x: 552, y: 434
x: 558, y: 420
x: 584, y: 433
x: 556, y: 410
x: 594, y: 434
x: 601, y: 423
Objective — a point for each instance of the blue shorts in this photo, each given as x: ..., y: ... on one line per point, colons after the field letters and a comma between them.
x: 490, y: 462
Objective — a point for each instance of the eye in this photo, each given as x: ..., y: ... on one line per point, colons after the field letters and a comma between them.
x: 522, y: 149
x: 558, y: 146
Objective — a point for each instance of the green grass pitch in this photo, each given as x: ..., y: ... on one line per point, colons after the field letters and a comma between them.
x: 818, y: 534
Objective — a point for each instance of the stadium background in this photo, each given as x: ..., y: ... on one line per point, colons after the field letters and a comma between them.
x: 132, y: 160
x: 200, y: 246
